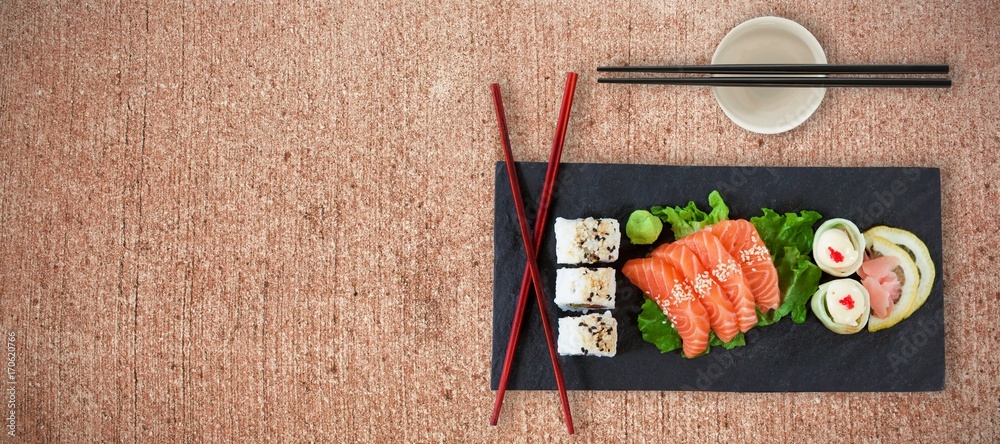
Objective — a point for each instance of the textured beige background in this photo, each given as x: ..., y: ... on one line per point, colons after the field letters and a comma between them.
x: 242, y: 221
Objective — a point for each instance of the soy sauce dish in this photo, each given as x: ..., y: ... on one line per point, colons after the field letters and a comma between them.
x: 772, y: 40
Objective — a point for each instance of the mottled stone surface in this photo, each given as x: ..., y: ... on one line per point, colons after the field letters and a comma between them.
x: 254, y: 221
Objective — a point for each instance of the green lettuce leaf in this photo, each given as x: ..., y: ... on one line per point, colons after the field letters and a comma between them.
x: 738, y: 341
x: 789, y: 238
x: 686, y: 220
x: 656, y: 328
x: 788, y: 230
x: 798, y: 279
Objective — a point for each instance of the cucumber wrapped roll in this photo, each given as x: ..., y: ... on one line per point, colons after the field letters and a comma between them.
x: 838, y: 247
x: 842, y: 305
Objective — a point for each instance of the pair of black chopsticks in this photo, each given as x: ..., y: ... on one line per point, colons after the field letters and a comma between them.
x: 785, y: 76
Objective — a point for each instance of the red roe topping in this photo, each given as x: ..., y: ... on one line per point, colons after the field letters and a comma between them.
x: 847, y: 301
x: 836, y: 256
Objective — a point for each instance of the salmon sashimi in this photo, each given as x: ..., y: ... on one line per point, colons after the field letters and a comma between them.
x: 741, y: 239
x: 665, y: 285
x: 721, y: 313
x: 726, y: 272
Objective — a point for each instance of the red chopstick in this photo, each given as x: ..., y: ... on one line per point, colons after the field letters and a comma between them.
x: 540, y: 221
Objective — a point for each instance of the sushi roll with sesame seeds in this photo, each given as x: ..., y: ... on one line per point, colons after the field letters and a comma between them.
x: 585, y: 288
x: 595, y: 334
x: 587, y: 241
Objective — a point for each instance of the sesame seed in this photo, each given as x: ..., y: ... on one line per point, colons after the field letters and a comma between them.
x: 703, y: 283
x: 725, y: 270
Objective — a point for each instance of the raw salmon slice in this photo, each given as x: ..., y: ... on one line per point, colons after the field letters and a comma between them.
x: 726, y: 272
x: 741, y: 239
x: 667, y: 287
x: 721, y: 314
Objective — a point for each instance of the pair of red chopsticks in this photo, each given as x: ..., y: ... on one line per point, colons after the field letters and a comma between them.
x: 531, y: 245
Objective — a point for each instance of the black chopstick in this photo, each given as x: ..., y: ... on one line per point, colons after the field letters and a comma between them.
x: 786, y: 82
x: 782, y: 69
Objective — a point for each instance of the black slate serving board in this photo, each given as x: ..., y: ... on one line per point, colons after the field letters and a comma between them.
x: 778, y: 358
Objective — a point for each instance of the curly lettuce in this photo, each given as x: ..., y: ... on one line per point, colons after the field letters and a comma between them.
x: 789, y: 239
x: 656, y: 329
x: 686, y: 220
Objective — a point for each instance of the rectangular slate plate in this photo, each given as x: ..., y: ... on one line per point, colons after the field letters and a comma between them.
x: 778, y: 358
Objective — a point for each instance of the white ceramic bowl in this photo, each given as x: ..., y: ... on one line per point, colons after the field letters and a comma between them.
x: 769, y: 40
